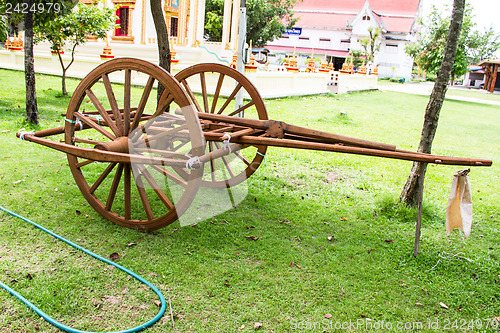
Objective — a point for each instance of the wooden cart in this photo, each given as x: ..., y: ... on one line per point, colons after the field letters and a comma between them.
x: 207, y: 115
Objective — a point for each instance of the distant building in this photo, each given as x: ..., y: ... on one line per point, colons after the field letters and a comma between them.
x: 491, y: 69
x: 335, y: 27
x: 474, y: 77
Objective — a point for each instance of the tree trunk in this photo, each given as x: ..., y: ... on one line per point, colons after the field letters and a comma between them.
x: 64, y: 90
x: 162, y: 36
x: 29, y: 68
x: 411, y: 192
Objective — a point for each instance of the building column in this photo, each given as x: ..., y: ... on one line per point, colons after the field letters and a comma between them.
x: 234, y: 25
x: 226, y: 22
x: 181, y: 31
x: 193, y: 13
x: 200, y: 28
x: 143, y: 23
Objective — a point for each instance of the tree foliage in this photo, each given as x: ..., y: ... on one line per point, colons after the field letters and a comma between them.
x: 74, y: 28
x: 34, y: 13
x: 473, y: 45
x: 3, y: 23
x: 214, y: 10
x: 371, y: 45
x: 266, y: 19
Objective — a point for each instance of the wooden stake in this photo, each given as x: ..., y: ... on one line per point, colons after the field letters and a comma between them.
x: 419, y: 213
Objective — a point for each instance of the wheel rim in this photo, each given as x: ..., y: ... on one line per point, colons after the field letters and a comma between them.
x: 117, y: 118
x: 221, y: 98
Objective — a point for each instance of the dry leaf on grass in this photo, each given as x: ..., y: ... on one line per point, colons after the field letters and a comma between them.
x: 257, y: 325
x: 131, y: 244
x: 328, y: 316
x: 114, y: 256
x: 157, y: 303
x: 443, y: 305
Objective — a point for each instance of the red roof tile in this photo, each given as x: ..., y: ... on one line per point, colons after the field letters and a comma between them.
x: 323, y: 20
x: 389, y: 11
x: 401, y: 7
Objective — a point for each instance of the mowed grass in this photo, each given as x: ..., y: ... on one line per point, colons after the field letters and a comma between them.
x: 331, y: 237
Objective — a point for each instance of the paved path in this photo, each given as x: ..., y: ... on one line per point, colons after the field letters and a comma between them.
x: 425, y: 88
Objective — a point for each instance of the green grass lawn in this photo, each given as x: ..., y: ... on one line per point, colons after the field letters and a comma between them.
x: 332, y: 238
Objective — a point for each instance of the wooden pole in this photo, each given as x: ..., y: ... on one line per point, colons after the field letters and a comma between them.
x: 418, y: 225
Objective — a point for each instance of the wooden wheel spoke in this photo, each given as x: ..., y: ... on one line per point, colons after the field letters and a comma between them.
x: 104, y: 114
x: 166, y: 201
x: 114, y: 105
x: 88, y: 141
x: 144, y: 197
x: 243, y: 158
x: 89, y: 122
x: 230, y: 98
x: 225, y: 162
x: 101, y: 178
x: 217, y: 92
x: 143, y: 102
x: 126, y: 191
x: 126, y: 101
x: 180, y: 145
x: 164, y: 103
x: 114, y: 187
x: 244, y: 107
x: 191, y: 95
x: 169, y: 175
x: 84, y: 163
x: 204, y: 91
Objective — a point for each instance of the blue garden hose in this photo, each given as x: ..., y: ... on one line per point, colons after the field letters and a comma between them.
x: 109, y: 262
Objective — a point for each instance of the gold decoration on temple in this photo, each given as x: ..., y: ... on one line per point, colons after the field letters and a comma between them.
x: 17, y: 43
x: 362, y: 69
x: 292, y: 63
x: 324, y: 66
x: 345, y: 67
x: 234, y: 62
x: 311, y: 64
x: 351, y: 67
x: 106, y: 51
x: 173, y: 59
x: 251, y: 66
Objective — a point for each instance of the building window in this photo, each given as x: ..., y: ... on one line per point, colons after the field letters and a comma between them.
x: 122, y: 21
x: 123, y: 31
x: 345, y: 43
x: 303, y: 41
x: 391, y: 48
x: 174, y: 25
x: 366, y: 18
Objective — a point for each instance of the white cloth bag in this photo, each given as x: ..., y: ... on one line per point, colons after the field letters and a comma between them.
x: 459, y: 210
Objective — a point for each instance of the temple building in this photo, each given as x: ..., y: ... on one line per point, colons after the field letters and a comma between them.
x: 136, y: 23
x: 335, y: 27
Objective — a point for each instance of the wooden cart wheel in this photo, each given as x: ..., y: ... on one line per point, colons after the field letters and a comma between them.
x: 214, y: 88
x: 111, y: 116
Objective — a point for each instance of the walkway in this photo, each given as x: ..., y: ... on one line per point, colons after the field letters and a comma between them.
x: 425, y: 88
